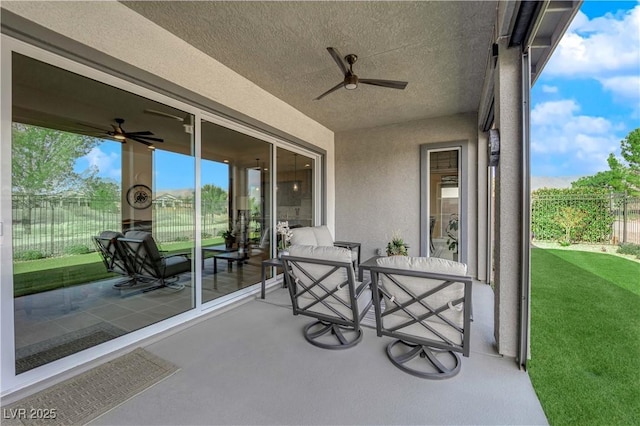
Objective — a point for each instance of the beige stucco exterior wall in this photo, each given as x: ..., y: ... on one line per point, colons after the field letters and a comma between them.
x: 116, y: 30
x: 378, y: 181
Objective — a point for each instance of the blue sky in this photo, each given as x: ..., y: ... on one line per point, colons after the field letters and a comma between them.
x: 587, y: 98
x: 171, y: 170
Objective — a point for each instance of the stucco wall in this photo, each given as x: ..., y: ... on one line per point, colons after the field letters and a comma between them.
x: 116, y: 30
x: 378, y: 181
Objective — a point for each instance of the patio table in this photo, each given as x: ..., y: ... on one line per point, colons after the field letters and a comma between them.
x: 265, y: 264
x: 366, y: 265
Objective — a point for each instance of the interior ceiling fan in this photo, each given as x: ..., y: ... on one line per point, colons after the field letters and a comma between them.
x: 351, y: 80
x: 118, y: 133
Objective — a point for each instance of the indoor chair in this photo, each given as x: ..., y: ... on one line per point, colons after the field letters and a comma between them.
x: 149, y: 264
x: 321, y: 236
x: 424, y: 303
x: 322, y: 285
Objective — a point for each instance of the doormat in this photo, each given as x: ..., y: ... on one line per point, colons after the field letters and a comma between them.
x: 79, y: 400
x: 41, y: 353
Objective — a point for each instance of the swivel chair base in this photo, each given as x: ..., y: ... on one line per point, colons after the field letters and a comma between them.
x: 435, y: 364
x: 344, y: 337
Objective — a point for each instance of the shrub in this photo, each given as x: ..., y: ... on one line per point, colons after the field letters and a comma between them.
x: 77, y: 249
x: 547, y: 204
x: 629, y: 248
x: 28, y: 255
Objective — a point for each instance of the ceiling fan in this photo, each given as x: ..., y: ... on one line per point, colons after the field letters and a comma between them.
x: 118, y: 133
x: 351, y: 80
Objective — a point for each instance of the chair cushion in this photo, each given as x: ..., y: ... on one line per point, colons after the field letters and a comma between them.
x: 312, y: 236
x: 111, y: 234
x: 152, y: 248
x: 418, y: 286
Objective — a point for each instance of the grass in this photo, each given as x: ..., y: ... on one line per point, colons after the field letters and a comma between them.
x: 585, y: 337
x: 35, y: 276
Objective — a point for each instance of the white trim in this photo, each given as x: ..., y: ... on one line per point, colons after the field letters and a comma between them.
x: 12, y: 383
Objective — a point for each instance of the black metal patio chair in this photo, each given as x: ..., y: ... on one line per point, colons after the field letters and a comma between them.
x: 147, y: 262
x: 114, y: 257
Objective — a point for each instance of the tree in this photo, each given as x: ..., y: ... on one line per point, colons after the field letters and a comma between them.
x: 42, y: 159
x: 622, y: 176
x: 214, y: 199
x: 630, y: 150
x: 569, y: 218
x: 42, y: 163
x: 103, y: 194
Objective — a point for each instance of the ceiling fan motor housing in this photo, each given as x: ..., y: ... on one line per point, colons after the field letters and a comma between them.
x: 350, y: 81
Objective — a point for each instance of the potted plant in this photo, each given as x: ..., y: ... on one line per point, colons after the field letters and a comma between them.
x: 284, y: 237
x: 229, y: 238
x: 452, y: 235
x: 397, y: 247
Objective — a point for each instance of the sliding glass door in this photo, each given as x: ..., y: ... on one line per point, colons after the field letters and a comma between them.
x: 236, y: 209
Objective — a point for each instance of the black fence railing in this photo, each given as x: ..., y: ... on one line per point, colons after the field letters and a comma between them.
x: 50, y: 226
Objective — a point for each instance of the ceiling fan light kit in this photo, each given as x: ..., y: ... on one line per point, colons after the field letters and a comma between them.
x: 351, y: 80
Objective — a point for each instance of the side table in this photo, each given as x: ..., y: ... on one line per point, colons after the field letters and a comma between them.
x: 366, y: 265
x: 265, y: 264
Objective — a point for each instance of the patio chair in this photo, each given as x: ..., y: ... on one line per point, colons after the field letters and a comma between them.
x: 322, y: 285
x: 425, y: 303
x: 149, y: 264
x: 114, y: 258
x: 321, y: 236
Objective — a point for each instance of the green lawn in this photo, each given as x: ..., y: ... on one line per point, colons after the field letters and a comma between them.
x: 585, y: 337
x: 40, y: 275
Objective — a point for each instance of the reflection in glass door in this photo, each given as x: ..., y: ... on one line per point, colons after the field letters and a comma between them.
x: 294, y: 187
x: 443, y: 171
x: 236, y: 206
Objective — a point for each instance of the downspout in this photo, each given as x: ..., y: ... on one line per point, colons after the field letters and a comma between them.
x: 525, y: 273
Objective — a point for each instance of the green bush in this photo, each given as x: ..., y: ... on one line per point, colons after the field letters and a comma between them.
x: 77, y: 249
x: 547, y: 204
x: 28, y: 255
x: 629, y: 248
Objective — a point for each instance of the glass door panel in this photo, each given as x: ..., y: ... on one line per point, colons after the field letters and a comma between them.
x: 87, y: 160
x: 444, y: 203
x: 236, y: 206
x: 295, y: 189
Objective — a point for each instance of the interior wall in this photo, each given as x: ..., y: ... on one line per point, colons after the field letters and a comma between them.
x: 378, y: 176
x: 116, y: 30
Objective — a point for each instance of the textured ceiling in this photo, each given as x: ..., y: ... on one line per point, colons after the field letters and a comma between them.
x: 441, y: 48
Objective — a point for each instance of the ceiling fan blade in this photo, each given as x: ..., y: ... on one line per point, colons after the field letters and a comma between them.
x: 163, y: 114
x: 130, y: 136
x: 338, y: 58
x: 146, y: 132
x: 141, y: 141
x: 392, y: 84
x: 333, y: 89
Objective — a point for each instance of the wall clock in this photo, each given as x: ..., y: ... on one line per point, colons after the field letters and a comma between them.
x: 139, y: 196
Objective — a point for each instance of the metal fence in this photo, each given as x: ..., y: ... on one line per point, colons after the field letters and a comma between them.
x: 51, y: 226
x: 609, y: 219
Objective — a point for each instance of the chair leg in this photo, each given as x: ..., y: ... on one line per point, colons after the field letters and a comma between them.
x: 340, y: 337
x: 432, y: 363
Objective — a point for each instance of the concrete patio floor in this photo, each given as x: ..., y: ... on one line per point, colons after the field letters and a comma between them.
x: 252, y: 365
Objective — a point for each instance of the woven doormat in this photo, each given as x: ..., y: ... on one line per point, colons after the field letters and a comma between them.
x: 81, y: 399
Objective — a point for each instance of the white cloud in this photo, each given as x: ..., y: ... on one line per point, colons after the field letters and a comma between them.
x: 599, y: 48
x: 568, y: 142
x: 623, y: 86
x: 549, y: 89
x: 107, y: 164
